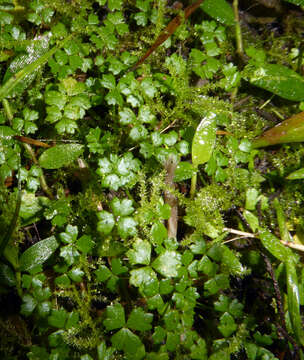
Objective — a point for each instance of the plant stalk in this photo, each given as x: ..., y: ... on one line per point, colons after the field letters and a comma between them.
x: 193, y: 185
x: 238, y: 31
x: 43, y: 183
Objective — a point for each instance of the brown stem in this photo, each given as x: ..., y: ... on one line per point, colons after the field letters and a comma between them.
x: 43, y: 183
x: 168, y: 31
x: 170, y: 199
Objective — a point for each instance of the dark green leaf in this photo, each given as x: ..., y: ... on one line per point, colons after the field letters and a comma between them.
x: 294, y: 300
x: 168, y: 263
x: 279, y: 80
x: 115, y: 317
x: 227, y: 325
x: 204, y: 140
x: 184, y: 171
x: 106, y: 222
x: 130, y: 343
x: 139, y: 320
x: 60, y: 155
x: 38, y: 253
x: 219, y: 10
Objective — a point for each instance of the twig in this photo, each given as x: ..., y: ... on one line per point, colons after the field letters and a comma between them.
x: 238, y: 232
x: 43, y: 183
x: 170, y: 167
x: 279, y: 302
x: 168, y: 31
x: 293, y: 245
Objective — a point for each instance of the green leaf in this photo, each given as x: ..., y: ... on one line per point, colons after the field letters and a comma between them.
x: 139, y: 320
x: 38, y: 253
x: 290, y: 130
x: 102, y: 273
x: 142, y: 276
x: 227, y: 325
x: 103, y: 352
x: 7, y: 276
x: 117, y: 267
x: 199, y: 246
x: 27, y: 72
x: 219, y: 10
x: 172, y: 319
x: 58, y: 318
x: 296, y: 175
x: 168, y: 263
x: 184, y: 171
x: 130, y: 343
x: 165, y: 286
x: 173, y: 340
x: 126, y: 227
x: 55, y: 98
x: 115, y: 317
x: 70, y: 234
x: 76, y: 274
x: 141, y: 252
x: 127, y: 116
x: 251, y: 219
x: 296, y: 2
x: 158, y: 335
x: 31, y: 206
x: 158, y: 233
x: 199, y: 350
x: 106, y: 222
x: 219, y: 282
x: 274, y: 246
x: 206, y: 266
x: 294, y: 300
x: 170, y: 139
x: 251, y: 198
x: 122, y: 207
x: 85, y: 244
x: 204, y: 140
x: 28, y: 306
x: 232, y: 262
x: 60, y: 155
x: 69, y: 253
x: 279, y: 80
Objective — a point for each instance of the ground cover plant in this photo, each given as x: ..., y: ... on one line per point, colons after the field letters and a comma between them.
x: 151, y: 179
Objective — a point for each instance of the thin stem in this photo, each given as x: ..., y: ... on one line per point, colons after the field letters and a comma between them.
x: 43, y: 183
x: 241, y: 233
x: 238, y: 31
x: 193, y: 185
x: 8, y: 110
